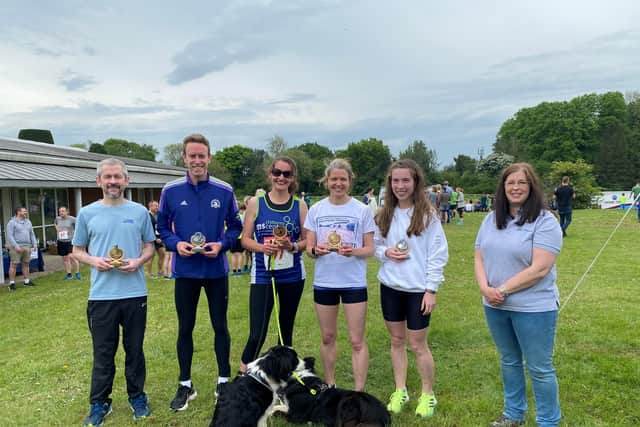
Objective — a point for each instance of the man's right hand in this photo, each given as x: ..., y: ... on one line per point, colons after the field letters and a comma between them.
x: 184, y: 248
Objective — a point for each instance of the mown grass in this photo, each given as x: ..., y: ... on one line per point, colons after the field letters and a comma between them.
x: 46, y: 347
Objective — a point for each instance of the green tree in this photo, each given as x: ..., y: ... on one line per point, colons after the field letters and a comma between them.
x: 319, y: 157
x: 582, y: 180
x: 307, y: 181
x: 245, y: 166
x: 370, y: 159
x: 494, y: 163
x: 124, y: 148
x: 217, y: 170
x: 39, y: 135
x: 277, y: 145
x: 425, y: 157
x: 173, y: 154
x: 96, y: 147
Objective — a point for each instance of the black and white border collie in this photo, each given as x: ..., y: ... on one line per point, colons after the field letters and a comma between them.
x: 246, y: 401
x: 308, y: 399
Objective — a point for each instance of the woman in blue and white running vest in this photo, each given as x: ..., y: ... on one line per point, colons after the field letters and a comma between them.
x: 274, y: 234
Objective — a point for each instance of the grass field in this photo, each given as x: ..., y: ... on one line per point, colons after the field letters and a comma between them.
x: 46, y: 356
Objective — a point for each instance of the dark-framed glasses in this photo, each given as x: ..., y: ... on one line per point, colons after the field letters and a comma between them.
x: 277, y: 172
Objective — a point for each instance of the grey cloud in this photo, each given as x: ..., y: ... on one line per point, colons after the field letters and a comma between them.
x: 39, y: 50
x: 209, y: 55
x: 74, y: 82
x: 295, y: 98
x: 243, y: 32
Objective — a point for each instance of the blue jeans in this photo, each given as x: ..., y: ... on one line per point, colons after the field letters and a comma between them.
x: 565, y: 218
x: 527, y: 336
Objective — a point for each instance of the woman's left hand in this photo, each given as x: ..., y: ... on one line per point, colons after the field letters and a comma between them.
x: 493, y: 296
x: 428, y: 303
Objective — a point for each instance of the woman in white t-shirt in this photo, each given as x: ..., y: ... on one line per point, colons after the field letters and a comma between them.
x: 340, y: 237
x: 413, y: 249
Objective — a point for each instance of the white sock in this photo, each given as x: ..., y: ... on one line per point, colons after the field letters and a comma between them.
x: 13, y: 282
x: 222, y: 380
x: 26, y: 280
x: 186, y: 383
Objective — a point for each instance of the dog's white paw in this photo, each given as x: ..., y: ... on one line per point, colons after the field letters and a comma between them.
x: 280, y: 408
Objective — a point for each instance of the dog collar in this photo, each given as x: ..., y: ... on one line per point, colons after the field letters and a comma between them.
x: 258, y: 380
x: 297, y: 377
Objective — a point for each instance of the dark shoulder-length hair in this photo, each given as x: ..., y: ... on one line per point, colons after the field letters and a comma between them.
x: 532, y: 207
x: 422, y: 211
x: 293, y: 184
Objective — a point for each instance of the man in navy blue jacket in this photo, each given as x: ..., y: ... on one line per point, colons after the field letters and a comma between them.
x: 201, y: 204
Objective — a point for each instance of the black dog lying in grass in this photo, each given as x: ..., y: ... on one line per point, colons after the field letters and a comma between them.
x: 307, y: 399
x: 247, y: 400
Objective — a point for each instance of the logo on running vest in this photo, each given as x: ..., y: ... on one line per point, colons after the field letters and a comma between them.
x: 215, y: 203
x: 184, y: 203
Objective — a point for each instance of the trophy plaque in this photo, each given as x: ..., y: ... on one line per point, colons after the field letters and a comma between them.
x: 116, y: 254
x: 402, y: 246
x: 198, y: 241
x: 280, y: 234
x: 334, y: 241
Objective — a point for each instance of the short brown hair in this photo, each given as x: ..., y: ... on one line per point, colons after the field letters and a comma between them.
x: 196, y: 138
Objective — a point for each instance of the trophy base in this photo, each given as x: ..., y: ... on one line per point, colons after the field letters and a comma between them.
x: 197, y: 249
x: 334, y: 249
x: 116, y: 264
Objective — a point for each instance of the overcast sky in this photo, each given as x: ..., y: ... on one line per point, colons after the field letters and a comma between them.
x: 448, y: 73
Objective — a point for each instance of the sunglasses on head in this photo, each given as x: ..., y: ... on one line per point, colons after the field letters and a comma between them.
x: 277, y: 172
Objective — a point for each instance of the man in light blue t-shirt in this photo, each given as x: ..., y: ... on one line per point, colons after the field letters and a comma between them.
x: 115, y: 237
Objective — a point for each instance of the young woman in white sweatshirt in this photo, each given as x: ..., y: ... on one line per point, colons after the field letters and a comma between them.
x: 412, y: 246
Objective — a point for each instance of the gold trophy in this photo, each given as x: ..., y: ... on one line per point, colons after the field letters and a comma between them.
x: 198, y: 241
x: 334, y: 240
x: 280, y: 234
x: 402, y: 246
x: 116, y: 254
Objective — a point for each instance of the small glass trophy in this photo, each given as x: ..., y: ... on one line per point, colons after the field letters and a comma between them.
x: 403, y: 246
x: 116, y: 254
x: 334, y: 240
x: 197, y: 242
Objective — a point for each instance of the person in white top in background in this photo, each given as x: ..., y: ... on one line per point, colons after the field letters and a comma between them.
x: 412, y: 246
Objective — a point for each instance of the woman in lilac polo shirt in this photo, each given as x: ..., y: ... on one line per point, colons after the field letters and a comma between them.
x: 515, y: 255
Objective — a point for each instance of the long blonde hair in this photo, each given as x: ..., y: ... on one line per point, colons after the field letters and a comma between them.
x: 422, y: 210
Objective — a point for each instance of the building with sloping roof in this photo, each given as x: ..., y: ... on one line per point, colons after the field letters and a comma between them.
x: 43, y: 177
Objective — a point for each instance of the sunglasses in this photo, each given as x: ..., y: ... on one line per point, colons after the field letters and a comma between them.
x: 277, y: 172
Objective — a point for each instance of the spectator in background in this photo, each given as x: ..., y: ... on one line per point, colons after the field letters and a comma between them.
x: 65, y: 226
x: 21, y: 241
x: 444, y: 199
x: 200, y: 204
x: 432, y: 195
x: 469, y: 206
x: 484, y: 203
x: 237, y: 251
x: 158, y: 245
x: 564, y: 195
x: 460, y: 206
x: 635, y: 191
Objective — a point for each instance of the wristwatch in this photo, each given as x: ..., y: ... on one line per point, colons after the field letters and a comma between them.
x: 503, y: 291
x: 431, y: 291
x: 294, y: 247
